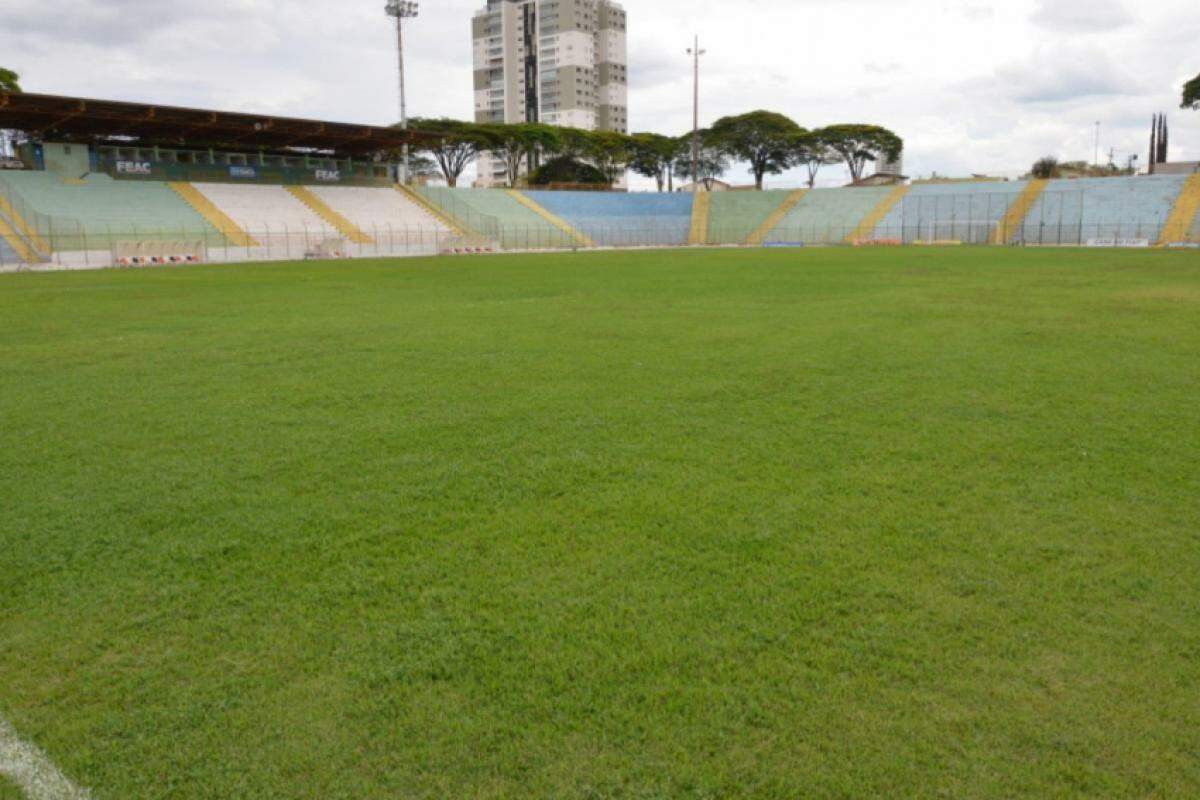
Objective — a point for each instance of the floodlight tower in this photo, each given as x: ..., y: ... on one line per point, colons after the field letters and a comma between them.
x: 402, y: 10
x: 696, y: 52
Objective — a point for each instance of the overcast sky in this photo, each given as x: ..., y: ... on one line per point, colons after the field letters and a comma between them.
x: 972, y: 86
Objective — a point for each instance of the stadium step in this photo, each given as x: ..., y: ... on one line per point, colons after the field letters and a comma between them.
x: 335, y: 220
x: 555, y: 220
x: 24, y: 230
x: 438, y: 214
x: 19, y: 245
x: 1187, y: 206
x: 215, y: 216
x: 867, y: 225
x: 760, y: 234
x: 1009, y: 225
x: 701, y: 207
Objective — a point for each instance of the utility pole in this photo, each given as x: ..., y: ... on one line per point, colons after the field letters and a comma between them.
x: 1096, y: 159
x: 696, y: 52
x: 402, y: 10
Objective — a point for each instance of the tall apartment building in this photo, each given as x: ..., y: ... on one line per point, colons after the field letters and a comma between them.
x: 561, y: 62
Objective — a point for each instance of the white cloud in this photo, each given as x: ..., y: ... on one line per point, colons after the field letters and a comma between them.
x: 1065, y: 74
x: 1081, y: 16
x: 978, y: 86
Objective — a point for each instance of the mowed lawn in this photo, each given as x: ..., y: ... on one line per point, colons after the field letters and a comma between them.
x: 725, y: 524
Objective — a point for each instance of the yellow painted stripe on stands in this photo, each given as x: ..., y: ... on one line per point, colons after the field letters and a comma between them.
x: 701, y: 207
x: 23, y: 227
x: 868, y: 224
x: 1010, y: 223
x: 760, y: 234
x: 23, y: 250
x: 556, y: 221
x: 441, y: 216
x: 322, y: 210
x: 1187, y: 206
x: 215, y: 216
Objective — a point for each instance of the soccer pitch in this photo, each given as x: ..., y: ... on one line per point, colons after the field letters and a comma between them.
x: 719, y: 524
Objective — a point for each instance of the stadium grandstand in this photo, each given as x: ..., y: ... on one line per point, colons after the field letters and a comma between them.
x: 99, y: 183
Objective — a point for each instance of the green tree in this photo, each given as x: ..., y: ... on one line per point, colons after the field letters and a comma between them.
x: 1045, y: 168
x: 1191, y: 94
x: 9, y: 81
x: 452, y: 145
x: 858, y: 144
x: 812, y: 151
x: 520, y: 144
x: 610, y: 152
x: 566, y: 169
x: 711, y: 164
x: 654, y: 156
x: 763, y: 139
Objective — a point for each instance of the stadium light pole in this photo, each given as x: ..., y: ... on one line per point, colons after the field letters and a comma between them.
x: 696, y: 52
x: 402, y: 10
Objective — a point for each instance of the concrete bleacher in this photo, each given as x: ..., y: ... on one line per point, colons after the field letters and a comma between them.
x: 8, y: 256
x: 618, y: 219
x: 964, y: 212
x: 733, y: 216
x: 496, y: 214
x: 87, y: 214
x: 265, y: 212
x: 84, y: 221
x: 378, y: 211
x: 827, y: 216
x: 1073, y: 211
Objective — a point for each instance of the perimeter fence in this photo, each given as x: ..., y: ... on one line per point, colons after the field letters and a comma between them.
x: 1067, y: 218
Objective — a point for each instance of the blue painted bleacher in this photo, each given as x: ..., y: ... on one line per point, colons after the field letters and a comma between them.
x: 965, y: 212
x: 1074, y: 211
x: 618, y: 219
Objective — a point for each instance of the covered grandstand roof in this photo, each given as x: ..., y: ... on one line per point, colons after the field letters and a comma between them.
x: 78, y: 119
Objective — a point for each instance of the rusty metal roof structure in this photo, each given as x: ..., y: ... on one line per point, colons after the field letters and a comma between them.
x: 77, y: 119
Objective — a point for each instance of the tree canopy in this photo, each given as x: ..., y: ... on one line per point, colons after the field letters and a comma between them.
x: 520, y: 143
x: 654, y: 156
x: 456, y: 146
x: 811, y: 150
x: 566, y: 169
x: 1191, y: 94
x: 1045, y: 168
x: 858, y: 144
x: 9, y: 81
x: 711, y: 164
x: 609, y: 151
x: 763, y: 139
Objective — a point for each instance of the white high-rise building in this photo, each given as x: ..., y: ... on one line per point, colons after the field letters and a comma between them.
x: 560, y: 62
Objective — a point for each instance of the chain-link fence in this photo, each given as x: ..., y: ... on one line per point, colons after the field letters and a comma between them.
x: 1058, y: 218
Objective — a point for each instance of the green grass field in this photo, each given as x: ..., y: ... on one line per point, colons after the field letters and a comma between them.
x: 729, y: 524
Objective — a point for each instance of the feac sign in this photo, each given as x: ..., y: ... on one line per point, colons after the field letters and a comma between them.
x: 330, y: 175
x: 134, y: 167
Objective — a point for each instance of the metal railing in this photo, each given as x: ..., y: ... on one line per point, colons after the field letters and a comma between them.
x: 1059, y: 219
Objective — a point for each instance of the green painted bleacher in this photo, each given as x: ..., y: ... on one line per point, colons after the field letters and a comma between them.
x: 828, y: 216
x: 8, y: 256
x: 88, y: 214
x: 733, y: 216
x: 495, y: 213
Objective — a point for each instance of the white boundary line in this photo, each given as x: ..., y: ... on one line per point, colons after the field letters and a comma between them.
x: 32, y: 772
